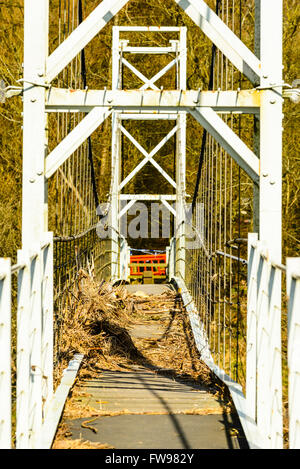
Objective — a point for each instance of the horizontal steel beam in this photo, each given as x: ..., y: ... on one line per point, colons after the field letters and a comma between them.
x: 158, y: 29
x: 63, y: 100
x: 149, y: 116
x: 150, y: 197
x: 149, y: 50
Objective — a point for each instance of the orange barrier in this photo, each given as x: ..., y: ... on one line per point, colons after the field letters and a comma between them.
x: 156, y: 263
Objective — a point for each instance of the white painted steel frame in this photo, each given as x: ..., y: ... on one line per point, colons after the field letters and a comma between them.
x: 35, y: 60
x: 179, y: 130
x: 270, y: 203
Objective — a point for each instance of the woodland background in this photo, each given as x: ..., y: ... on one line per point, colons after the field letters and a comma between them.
x: 98, y: 59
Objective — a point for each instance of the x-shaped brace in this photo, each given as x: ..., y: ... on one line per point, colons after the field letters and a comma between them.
x: 150, y: 83
x: 148, y: 157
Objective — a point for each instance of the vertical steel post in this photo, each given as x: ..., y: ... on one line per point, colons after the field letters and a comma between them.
x: 271, y: 126
x: 271, y: 179
x: 115, y: 161
x: 34, y: 211
x: 181, y: 166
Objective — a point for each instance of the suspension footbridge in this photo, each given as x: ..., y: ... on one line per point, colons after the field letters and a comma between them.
x: 222, y: 243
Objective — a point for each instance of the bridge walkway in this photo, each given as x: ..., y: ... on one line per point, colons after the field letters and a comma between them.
x: 155, y: 403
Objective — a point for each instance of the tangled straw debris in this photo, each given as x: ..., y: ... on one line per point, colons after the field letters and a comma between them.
x: 99, y: 323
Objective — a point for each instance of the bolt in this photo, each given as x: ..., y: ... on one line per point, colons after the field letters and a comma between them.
x: 32, y: 180
x: 272, y: 101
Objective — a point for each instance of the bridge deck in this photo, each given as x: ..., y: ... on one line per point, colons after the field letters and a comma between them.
x: 148, y: 406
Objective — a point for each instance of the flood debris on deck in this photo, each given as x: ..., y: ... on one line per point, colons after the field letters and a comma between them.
x: 140, y: 360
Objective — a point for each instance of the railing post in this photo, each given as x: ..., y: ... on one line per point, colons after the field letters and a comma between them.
x: 251, y: 325
x: 172, y: 259
x: 47, y: 319
x: 35, y: 344
x: 5, y: 354
x: 269, y: 378
x: 293, y: 293
x: 275, y: 368
x: 128, y: 261
x: 23, y: 352
x: 123, y: 259
x: 263, y: 364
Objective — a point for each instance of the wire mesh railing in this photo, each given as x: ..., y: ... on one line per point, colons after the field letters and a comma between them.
x: 26, y: 375
x: 73, y: 254
x: 265, y: 395
x: 235, y: 306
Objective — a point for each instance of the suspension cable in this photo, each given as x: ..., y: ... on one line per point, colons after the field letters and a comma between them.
x: 84, y: 80
x: 204, y: 135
